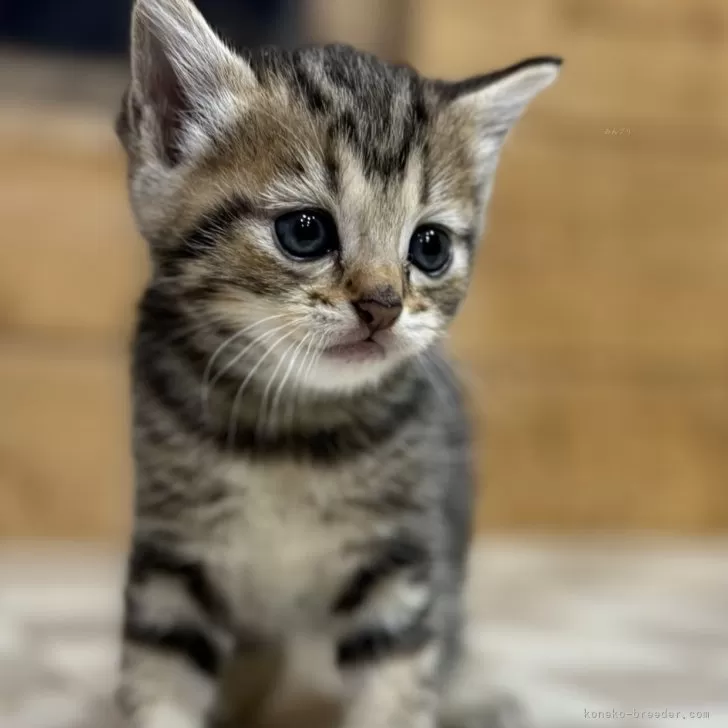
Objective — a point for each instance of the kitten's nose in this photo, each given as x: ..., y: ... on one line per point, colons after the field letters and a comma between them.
x: 379, y: 312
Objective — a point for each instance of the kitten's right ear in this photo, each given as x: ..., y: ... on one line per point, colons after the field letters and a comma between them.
x: 185, y: 81
x: 496, y: 100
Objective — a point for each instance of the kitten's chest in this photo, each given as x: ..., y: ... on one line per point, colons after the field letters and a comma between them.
x: 293, y: 538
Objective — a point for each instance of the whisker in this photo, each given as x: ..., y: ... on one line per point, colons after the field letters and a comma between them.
x: 258, y: 339
x: 263, y: 412
x: 207, y: 385
x: 234, y: 412
x: 303, y: 376
x: 199, y: 325
x: 287, y: 373
x: 291, y: 408
x: 313, y: 354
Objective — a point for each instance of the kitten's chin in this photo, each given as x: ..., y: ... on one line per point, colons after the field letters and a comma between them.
x: 346, y: 373
x: 356, y: 352
x: 348, y: 367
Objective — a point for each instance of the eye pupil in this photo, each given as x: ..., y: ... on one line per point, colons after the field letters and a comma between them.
x: 430, y: 250
x: 431, y: 245
x: 307, y: 233
x: 308, y: 228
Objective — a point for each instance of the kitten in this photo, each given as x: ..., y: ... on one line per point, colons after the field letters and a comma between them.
x: 302, y: 456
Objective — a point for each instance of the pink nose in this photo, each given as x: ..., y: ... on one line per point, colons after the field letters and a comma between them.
x: 379, y: 312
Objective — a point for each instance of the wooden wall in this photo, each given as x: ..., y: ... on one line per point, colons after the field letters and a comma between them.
x: 71, y: 267
x: 594, y: 340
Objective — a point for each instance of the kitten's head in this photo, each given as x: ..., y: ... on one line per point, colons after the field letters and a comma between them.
x: 326, y: 202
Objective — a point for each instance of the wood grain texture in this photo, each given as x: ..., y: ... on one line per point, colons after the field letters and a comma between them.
x: 594, y: 340
x: 70, y: 260
x: 65, y: 470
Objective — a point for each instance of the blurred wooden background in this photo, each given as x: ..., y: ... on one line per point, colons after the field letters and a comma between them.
x: 594, y: 340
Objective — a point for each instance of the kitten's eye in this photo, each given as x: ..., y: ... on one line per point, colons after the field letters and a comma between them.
x: 430, y: 249
x: 307, y: 233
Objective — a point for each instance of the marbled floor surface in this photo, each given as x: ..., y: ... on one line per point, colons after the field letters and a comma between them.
x: 586, y: 633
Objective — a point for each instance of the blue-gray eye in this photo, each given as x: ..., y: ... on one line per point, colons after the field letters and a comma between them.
x: 307, y: 233
x: 430, y: 249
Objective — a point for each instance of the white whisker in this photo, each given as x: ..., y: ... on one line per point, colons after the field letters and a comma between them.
x: 208, y: 385
x: 234, y: 413
x: 263, y: 411
x: 294, y: 357
x: 291, y: 408
x: 259, y: 339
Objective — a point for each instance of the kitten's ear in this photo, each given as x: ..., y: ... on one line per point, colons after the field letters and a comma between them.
x: 184, y: 79
x: 496, y: 100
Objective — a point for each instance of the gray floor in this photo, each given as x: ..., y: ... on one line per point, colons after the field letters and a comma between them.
x: 586, y: 633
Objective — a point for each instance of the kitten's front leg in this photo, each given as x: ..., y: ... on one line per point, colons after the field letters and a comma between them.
x: 396, y: 691
x: 390, y: 653
x: 175, y: 642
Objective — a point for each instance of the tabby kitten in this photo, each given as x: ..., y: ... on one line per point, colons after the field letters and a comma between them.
x: 302, y: 456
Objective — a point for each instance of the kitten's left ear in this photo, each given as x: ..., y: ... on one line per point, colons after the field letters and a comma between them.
x: 184, y: 82
x: 496, y: 100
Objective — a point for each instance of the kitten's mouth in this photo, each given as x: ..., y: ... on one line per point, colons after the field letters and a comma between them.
x: 356, y: 351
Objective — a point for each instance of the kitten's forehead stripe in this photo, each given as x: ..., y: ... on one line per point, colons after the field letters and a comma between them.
x: 377, y: 109
x: 322, y: 110
x: 331, y: 161
x: 425, y: 180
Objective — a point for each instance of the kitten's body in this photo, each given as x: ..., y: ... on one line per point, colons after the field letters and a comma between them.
x: 341, y: 483
x: 301, y: 447
x: 335, y: 525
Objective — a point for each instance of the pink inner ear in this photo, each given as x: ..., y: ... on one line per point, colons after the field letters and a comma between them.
x: 163, y: 92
